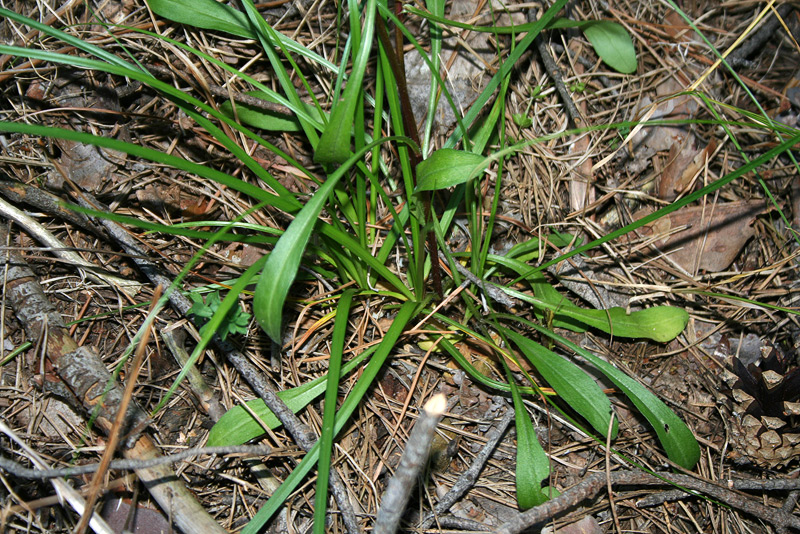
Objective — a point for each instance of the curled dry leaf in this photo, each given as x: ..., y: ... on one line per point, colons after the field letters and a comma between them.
x: 685, y: 160
x: 704, y: 237
x: 658, y: 138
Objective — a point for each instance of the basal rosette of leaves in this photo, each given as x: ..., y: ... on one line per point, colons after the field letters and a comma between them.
x: 346, y: 247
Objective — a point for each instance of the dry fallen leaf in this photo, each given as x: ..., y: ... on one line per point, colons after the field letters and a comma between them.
x: 685, y: 160
x: 712, y: 235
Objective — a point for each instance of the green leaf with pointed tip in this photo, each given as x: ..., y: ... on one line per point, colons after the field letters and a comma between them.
x: 676, y: 438
x: 613, y: 44
x: 533, y: 465
x: 660, y: 323
x: 281, y: 267
x: 284, y: 260
x: 572, y: 384
x: 206, y: 14
x: 334, y: 143
x: 447, y: 167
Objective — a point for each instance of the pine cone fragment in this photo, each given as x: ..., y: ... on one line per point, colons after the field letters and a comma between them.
x: 766, y: 410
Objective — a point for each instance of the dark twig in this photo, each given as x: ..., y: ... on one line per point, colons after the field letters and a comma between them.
x: 738, y: 58
x: 596, y: 483
x: 788, y: 506
x: 209, y: 400
x: 458, y: 523
x: 494, y: 292
x: 397, y: 493
x: 18, y: 470
x: 741, y: 484
x: 468, y: 478
x: 555, y: 74
x: 260, y: 384
x: 20, y: 193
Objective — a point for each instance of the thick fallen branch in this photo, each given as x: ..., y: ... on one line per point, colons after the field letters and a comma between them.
x: 87, y: 379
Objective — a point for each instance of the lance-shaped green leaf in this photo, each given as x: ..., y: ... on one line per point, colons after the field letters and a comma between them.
x: 284, y: 260
x: 676, y: 438
x: 334, y: 143
x: 447, y: 167
x: 572, y: 384
x: 659, y: 323
x: 533, y: 465
x: 206, y: 14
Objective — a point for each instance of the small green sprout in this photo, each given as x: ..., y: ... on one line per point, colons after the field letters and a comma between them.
x: 235, y: 321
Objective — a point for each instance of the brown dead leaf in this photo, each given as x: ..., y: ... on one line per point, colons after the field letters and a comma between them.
x: 174, y: 199
x: 581, y: 190
x: 587, y: 525
x: 88, y: 166
x: 685, y: 160
x: 704, y: 237
x: 117, y: 513
x: 653, y: 139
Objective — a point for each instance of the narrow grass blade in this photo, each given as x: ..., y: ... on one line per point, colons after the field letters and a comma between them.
x: 69, y: 39
x: 675, y: 206
x: 152, y: 155
x: 505, y: 69
x: 184, y: 229
x: 572, y: 384
x: 406, y: 312
x: 186, y: 102
x: 329, y: 411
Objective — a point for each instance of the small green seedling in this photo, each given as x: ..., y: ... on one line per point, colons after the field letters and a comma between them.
x: 235, y: 322
x: 522, y: 120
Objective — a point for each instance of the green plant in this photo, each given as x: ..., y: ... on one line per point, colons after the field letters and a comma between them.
x: 234, y: 322
x: 355, y: 181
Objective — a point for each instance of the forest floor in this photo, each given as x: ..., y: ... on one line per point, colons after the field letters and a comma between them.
x: 729, y: 259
